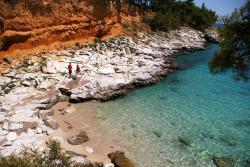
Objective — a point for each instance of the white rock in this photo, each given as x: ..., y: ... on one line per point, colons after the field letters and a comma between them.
x: 11, y: 136
x: 78, y: 159
x: 7, y: 151
x: 26, y: 83
x: 109, y: 165
x: 2, y: 139
x: 39, y: 130
x: 11, y: 74
x: 49, y: 131
x: 3, y: 132
x: 144, y: 77
x: 2, y: 117
x: 6, y: 125
x: 106, y: 71
x: 30, y: 131
x: 4, y: 80
x: 26, y: 139
x: 15, y: 126
x: 89, y: 149
x: 7, y: 143
x: 147, y: 51
x: 23, y: 115
x: 44, y: 128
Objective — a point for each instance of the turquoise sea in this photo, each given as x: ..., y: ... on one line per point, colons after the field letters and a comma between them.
x: 211, y: 111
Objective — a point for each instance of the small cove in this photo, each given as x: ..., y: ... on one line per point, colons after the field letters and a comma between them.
x: 212, y: 111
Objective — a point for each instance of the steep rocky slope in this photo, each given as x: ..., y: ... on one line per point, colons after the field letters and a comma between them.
x: 36, y: 22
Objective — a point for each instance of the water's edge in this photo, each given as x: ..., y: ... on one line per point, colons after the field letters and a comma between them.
x: 212, y: 112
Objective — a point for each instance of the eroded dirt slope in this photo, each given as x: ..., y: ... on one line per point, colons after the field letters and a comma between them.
x: 36, y: 22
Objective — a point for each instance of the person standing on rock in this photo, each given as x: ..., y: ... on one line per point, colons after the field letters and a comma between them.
x: 70, y: 70
x: 78, y: 70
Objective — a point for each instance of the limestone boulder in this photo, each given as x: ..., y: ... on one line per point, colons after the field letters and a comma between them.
x: 11, y: 136
x: 15, y: 126
x: 106, y: 71
x: 119, y: 159
x: 7, y: 151
x: 4, y: 80
x: 6, y: 125
x: 26, y: 83
x: 51, y: 123
x: 78, y: 139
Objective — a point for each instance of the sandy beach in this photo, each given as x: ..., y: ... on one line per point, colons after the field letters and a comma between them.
x: 73, y: 118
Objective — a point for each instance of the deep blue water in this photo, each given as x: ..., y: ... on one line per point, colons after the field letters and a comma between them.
x: 212, y: 111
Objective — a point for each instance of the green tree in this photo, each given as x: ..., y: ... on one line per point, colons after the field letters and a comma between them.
x: 234, y: 54
x: 171, y: 14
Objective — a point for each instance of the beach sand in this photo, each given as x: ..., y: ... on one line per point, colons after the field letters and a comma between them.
x: 73, y: 118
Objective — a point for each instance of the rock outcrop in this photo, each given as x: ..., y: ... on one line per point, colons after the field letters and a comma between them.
x: 212, y: 35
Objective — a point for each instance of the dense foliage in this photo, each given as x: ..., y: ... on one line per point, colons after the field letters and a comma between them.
x: 171, y: 14
x: 234, y: 54
x: 33, y: 158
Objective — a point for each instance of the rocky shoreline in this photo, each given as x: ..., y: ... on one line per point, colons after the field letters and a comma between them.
x: 108, y: 69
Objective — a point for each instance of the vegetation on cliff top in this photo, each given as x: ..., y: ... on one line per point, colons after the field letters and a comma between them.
x: 171, y: 14
x: 234, y: 54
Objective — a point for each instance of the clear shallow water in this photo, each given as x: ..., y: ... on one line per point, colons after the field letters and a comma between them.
x: 213, y: 112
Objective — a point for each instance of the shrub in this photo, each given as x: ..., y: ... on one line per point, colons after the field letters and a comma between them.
x: 125, y: 26
x: 33, y: 158
x: 77, y: 44
x: 26, y: 62
x: 43, y: 61
x: 97, y: 40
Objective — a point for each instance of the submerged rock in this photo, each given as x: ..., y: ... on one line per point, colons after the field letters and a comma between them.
x: 119, y: 159
x: 229, y: 140
x: 157, y: 133
x: 184, y: 140
x: 223, y: 161
x: 78, y: 139
x: 242, y: 123
x: 247, y: 163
